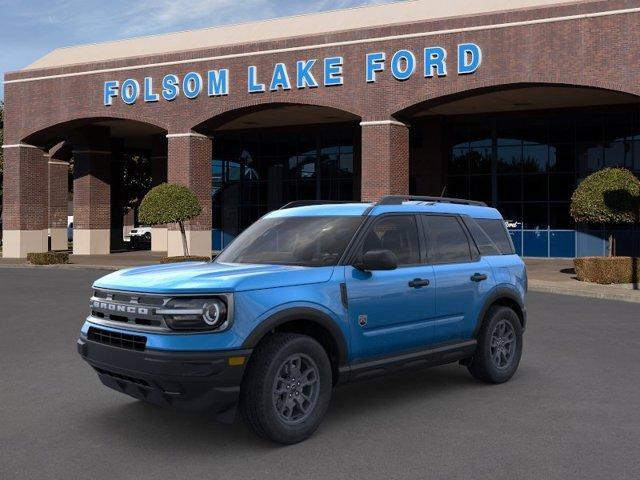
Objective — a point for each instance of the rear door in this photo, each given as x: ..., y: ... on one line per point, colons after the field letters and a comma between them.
x: 391, y: 311
x: 463, y: 278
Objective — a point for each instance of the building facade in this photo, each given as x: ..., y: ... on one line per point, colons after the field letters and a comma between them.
x: 508, y: 102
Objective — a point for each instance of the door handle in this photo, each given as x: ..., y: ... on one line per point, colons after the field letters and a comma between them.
x: 418, y: 282
x: 478, y: 277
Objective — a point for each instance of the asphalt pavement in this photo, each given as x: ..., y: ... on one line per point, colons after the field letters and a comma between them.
x: 571, y: 411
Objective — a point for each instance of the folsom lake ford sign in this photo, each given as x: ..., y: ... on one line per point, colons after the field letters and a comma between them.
x: 310, y: 73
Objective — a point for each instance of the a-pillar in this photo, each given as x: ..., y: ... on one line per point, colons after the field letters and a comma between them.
x: 158, y: 160
x: 189, y: 164
x: 24, y: 212
x: 385, y: 159
x: 91, y: 191
x: 58, y: 196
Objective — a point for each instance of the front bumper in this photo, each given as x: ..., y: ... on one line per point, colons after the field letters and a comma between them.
x: 198, y: 381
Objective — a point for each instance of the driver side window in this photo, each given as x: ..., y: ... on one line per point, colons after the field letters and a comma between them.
x: 399, y: 234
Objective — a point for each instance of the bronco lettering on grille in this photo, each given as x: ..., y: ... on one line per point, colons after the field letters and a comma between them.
x: 115, y: 307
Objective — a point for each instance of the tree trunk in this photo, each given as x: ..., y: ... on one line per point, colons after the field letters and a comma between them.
x: 185, y: 247
x: 611, y: 249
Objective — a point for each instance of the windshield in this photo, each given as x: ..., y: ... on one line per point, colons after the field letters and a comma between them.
x: 304, y: 241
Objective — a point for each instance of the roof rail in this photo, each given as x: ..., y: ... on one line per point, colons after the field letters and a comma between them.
x: 306, y: 203
x: 398, y: 199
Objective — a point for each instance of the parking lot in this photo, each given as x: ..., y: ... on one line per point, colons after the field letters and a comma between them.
x: 571, y: 411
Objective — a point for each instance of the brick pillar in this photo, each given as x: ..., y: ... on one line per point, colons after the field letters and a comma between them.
x: 385, y: 159
x: 24, y: 201
x: 58, y: 197
x: 158, y: 160
x: 189, y: 164
x: 92, y: 192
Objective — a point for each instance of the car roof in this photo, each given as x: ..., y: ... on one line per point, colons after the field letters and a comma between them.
x: 371, y: 209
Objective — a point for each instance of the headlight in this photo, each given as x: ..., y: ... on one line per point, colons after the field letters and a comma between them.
x: 195, y: 314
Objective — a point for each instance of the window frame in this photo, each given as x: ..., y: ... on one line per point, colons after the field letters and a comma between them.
x: 474, y: 253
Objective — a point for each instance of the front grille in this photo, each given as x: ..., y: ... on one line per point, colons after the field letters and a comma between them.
x: 128, y: 308
x: 117, y: 339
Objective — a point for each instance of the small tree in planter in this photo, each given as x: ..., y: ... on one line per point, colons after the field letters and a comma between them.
x: 610, y: 195
x: 170, y: 203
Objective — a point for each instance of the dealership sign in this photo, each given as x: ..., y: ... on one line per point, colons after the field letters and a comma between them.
x: 310, y: 73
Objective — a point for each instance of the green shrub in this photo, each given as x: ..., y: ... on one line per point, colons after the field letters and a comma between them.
x: 607, y: 270
x: 190, y: 258
x: 610, y: 195
x: 48, y: 258
x: 170, y: 203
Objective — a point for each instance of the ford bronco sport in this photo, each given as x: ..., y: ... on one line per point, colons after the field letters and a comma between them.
x: 309, y: 297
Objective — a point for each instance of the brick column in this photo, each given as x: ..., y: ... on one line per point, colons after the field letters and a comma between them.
x: 385, y: 159
x: 92, y: 192
x: 24, y: 200
x: 189, y: 164
x: 58, y: 193
x: 158, y: 160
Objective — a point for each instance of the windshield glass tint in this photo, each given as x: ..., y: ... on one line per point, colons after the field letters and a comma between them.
x: 305, y: 241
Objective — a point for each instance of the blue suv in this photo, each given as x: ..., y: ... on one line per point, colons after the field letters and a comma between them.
x: 309, y: 297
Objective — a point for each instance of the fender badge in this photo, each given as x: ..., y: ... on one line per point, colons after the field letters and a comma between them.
x: 362, y: 320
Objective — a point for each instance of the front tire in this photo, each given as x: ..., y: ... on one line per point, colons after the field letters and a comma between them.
x: 499, y: 346
x: 287, y: 388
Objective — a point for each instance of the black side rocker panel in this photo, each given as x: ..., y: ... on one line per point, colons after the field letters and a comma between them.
x: 429, y: 357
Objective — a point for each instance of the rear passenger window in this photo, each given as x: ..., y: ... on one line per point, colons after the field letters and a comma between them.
x: 398, y: 233
x: 485, y: 245
x: 497, y: 232
x: 446, y: 240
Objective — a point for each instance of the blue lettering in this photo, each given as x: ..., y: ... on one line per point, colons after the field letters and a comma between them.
x: 304, y: 77
x: 253, y: 85
x: 130, y: 91
x: 469, y: 58
x: 434, y: 58
x: 333, y: 71
x: 149, y: 96
x: 192, y: 85
x: 280, y: 78
x: 375, y: 63
x: 218, y: 82
x: 403, y: 64
x: 110, y: 92
x: 170, y: 89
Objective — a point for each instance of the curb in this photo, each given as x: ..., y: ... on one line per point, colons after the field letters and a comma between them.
x: 67, y: 266
x: 550, y: 287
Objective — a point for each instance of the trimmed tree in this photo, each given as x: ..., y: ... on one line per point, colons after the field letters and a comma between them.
x: 610, y: 195
x: 170, y: 203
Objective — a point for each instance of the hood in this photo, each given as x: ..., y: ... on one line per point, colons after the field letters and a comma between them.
x: 205, y: 277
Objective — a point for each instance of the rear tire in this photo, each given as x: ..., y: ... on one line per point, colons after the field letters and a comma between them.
x: 287, y: 388
x: 499, y: 346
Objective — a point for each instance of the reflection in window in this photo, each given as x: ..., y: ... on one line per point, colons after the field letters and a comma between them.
x: 528, y: 165
x: 256, y: 171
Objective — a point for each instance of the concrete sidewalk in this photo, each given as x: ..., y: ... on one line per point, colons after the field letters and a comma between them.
x: 545, y: 275
x: 558, y: 276
x: 115, y: 261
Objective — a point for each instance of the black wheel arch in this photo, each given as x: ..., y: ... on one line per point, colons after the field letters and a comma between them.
x: 308, y: 321
x: 504, y: 296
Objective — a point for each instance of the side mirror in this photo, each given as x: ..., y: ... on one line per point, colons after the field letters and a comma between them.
x: 378, y: 260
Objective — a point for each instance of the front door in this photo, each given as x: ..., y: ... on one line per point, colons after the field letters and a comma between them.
x: 391, y: 311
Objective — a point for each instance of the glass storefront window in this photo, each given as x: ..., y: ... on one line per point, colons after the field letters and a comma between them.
x: 255, y: 171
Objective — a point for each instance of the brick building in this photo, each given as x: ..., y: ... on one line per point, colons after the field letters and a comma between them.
x: 507, y: 101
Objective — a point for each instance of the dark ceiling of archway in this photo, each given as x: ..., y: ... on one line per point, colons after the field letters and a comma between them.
x: 524, y: 98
